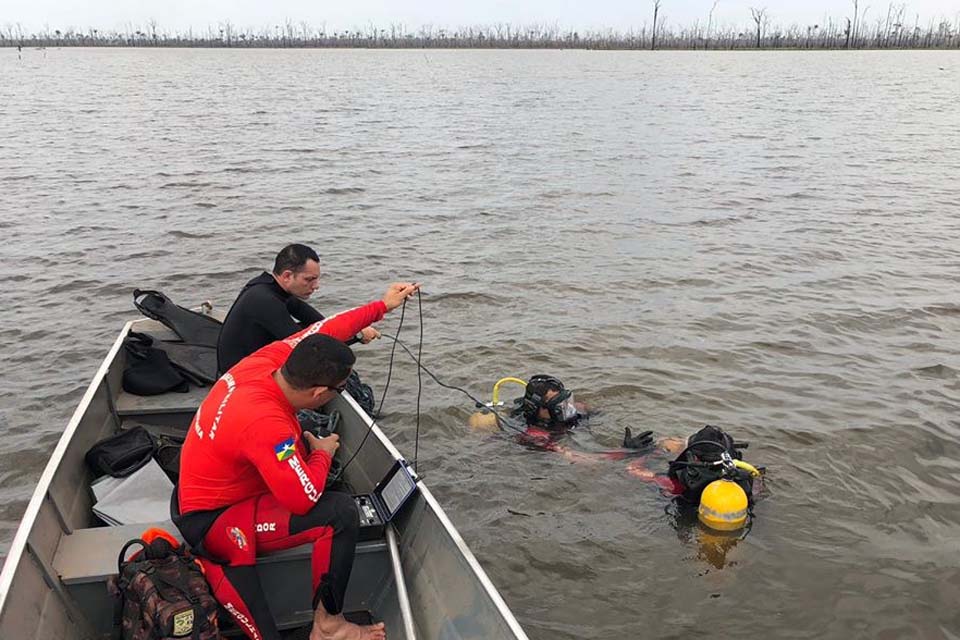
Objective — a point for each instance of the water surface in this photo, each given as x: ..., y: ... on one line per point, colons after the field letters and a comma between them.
x: 764, y: 241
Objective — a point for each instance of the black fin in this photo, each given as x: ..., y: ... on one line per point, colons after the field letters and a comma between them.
x: 192, y: 327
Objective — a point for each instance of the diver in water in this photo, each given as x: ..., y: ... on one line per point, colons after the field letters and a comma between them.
x: 708, y: 473
x: 707, y: 455
x: 549, y: 410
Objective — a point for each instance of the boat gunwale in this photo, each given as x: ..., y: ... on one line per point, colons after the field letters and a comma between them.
x: 20, y: 539
x: 474, y: 564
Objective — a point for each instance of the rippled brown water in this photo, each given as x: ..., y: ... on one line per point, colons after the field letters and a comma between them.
x: 766, y: 241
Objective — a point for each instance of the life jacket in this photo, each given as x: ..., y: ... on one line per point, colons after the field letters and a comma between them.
x: 694, y: 468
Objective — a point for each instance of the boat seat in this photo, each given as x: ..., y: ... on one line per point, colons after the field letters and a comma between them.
x: 90, y: 555
x: 86, y: 558
x: 129, y: 404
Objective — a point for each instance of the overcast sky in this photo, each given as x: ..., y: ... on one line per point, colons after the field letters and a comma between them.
x: 174, y: 15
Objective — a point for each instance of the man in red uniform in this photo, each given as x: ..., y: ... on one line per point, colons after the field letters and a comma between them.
x: 252, y: 483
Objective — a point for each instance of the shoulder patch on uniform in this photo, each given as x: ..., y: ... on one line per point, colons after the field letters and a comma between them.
x: 285, y: 449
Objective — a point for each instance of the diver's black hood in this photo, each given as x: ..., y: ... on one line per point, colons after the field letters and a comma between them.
x: 708, y: 453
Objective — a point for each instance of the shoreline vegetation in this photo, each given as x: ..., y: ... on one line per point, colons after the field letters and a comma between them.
x: 893, y: 29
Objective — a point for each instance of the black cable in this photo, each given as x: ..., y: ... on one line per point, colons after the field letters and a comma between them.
x: 416, y: 439
x: 383, y: 396
x: 503, y: 422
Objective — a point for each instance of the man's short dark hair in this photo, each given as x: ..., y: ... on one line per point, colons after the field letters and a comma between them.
x: 318, y: 361
x: 293, y: 257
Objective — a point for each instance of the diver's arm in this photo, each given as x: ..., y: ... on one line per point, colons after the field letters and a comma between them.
x: 344, y: 325
x: 303, y: 312
x: 541, y: 439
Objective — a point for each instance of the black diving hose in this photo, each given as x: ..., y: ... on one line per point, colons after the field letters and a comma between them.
x: 501, y: 420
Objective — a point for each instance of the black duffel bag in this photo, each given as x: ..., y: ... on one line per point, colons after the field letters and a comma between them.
x: 122, y: 454
x: 361, y: 392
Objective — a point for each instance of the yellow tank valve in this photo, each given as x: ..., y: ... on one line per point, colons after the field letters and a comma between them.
x: 723, y: 506
x: 500, y: 383
x: 486, y: 419
x: 746, y: 466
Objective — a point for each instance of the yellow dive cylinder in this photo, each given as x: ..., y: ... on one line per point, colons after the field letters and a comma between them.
x: 723, y: 506
x: 486, y: 419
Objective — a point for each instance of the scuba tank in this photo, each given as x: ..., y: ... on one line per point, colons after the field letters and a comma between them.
x: 713, y: 476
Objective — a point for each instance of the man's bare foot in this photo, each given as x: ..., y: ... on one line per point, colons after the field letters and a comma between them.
x: 337, y: 628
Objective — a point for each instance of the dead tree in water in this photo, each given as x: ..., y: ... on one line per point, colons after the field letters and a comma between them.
x: 759, y: 16
x: 852, y: 32
x: 853, y: 27
x: 656, y: 10
x: 710, y: 22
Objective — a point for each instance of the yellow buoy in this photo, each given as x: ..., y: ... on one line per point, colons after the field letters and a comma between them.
x: 723, y: 506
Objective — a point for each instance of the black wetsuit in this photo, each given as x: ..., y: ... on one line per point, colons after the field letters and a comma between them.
x: 262, y: 313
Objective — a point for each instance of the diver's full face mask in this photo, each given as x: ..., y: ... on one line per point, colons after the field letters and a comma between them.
x: 567, y: 409
x: 547, y: 403
x: 561, y: 407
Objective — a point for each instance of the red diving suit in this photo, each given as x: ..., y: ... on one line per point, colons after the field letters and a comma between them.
x: 249, y: 486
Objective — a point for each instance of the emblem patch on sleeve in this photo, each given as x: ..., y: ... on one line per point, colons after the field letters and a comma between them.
x: 285, y: 449
x: 237, y: 536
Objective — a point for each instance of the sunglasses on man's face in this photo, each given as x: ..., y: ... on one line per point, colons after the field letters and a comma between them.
x: 340, y: 388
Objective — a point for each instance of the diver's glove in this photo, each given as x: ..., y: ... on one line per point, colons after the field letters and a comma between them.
x: 639, y: 441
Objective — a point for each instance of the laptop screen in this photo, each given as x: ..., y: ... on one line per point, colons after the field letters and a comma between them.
x: 396, y: 488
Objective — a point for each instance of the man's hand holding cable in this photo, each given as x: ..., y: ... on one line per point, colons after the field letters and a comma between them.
x: 330, y: 444
x: 397, y: 293
x: 368, y: 335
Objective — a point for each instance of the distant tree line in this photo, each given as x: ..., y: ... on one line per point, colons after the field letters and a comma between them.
x: 892, y: 30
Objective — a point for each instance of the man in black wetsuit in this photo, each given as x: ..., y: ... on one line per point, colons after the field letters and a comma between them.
x: 273, y: 306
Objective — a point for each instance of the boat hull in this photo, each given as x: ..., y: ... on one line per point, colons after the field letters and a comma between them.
x: 422, y: 580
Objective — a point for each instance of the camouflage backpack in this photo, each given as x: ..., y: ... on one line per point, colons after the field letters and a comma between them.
x: 164, y: 594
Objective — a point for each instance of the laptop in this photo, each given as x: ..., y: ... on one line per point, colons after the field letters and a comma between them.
x: 385, y: 502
